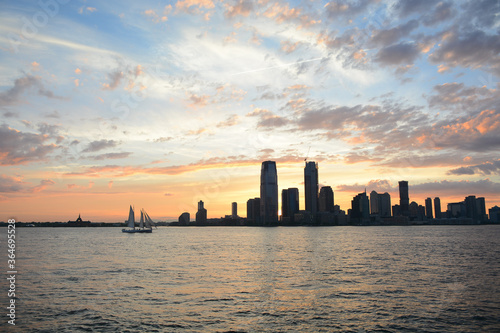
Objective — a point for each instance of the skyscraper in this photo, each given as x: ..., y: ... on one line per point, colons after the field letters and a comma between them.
x: 404, y: 199
x: 284, y: 204
x: 428, y: 208
x: 384, y: 204
x: 289, y: 204
x: 253, y: 211
x: 311, y: 187
x: 360, y: 211
x: 326, y: 202
x: 234, y: 210
x: 269, y: 193
x: 201, y: 214
x: 437, y: 207
x: 374, y: 203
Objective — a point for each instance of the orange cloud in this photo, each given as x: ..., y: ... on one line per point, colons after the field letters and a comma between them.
x: 281, y: 13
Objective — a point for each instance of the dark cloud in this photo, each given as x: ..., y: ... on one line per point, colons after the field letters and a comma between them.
x: 445, y: 187
x: 471, y: 49
x: 409, y: 7
x: 443, y: 11
x: 487, y: 168
x: 482, y: 13
x: 458, y: 97
x: 393, y: 35
x: 18, y: 148
x: 398, y: 54
x: 21, y: 85
x: 99, y: 145
x: 347, y: 10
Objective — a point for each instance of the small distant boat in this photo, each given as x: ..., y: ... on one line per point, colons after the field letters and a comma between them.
x: 145, y: 225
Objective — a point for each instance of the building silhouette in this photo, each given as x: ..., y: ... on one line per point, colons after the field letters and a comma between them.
x: 437, y: 208
x: 269, y: 193
x: 384, y: 204
x: 253, y: 211
x: 234, y: 210
x: 404, y: 199
x: 428, y: 208
x: 494, y: 214
x: 289, y: 204
x: 374, y: 203
x: 311, y: 187
x: 201, y: 214
x: 184, y: 218
x: 326, y: 199
x: 360, y: 208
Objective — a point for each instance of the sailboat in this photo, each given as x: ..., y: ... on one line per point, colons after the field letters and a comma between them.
x: 145, y: 225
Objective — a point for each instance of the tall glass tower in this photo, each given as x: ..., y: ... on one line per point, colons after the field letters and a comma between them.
x: 404, y: 199
x: 269, y: 193
x: 311, y: 187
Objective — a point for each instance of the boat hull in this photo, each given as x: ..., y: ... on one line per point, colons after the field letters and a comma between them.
x: 140, y: 231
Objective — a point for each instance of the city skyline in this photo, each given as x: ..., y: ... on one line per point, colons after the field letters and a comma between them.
x: 109, y: 104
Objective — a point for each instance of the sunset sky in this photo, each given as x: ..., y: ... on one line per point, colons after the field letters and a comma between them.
x: 161, y: 104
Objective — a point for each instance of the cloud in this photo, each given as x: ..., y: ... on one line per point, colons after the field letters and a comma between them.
x: 443, y: 11
x: 115, y: 79
x: 482, y: 13
x: 440, y: 188
x: 347, y: 10
x: 239, y: 8
x: 198, y: 101
x: 378, y: 185
x: 398, y: 54
x: 478, y: 133
x: 391, y: 36
x: 155, y: 17
x: 10, y: 184
x: 406, y: 7
x: 289, y: 47
x: 281, y: 13
x: 43, y: 185
x: 17, y: 147
x: 99, y: 145
x: 185, y: 5
x: 21, y: 85
x: 487, y: 168
x: 231, y: 120
x: 110, y: 156
x: 163, y: 139
x: 471, y: 49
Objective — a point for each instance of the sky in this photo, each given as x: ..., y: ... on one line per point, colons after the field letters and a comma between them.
x: 156, y: 104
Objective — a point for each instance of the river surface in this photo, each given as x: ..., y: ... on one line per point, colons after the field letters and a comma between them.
x: 243, y: 279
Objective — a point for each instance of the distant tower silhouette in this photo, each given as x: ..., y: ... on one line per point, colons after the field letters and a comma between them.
x: 311, y: 187
x: 437, y: 207
x: 428, y: 208
x: 404, y: 199
x: 234, y: 210
x: 201, y: 215
x: 269, y: 193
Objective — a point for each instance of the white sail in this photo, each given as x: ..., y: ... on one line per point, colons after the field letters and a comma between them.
x: 149, y: 221
x: 131, y: 218
x: 141, y: 224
